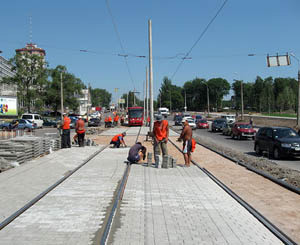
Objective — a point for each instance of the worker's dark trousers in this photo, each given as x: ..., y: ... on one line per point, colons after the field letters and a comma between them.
x: 81, y: 139
x: 65, y: 139
x: 116, y: 143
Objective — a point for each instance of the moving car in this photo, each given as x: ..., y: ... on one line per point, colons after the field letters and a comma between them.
x: 94, y: 122
x: 178, y: 120
x: 277, y: 141
x: 243, y: 130
x: 218, y: 124
x: 202, y: 123
x: 227, y: 130
x: 164, y: 111
x: 229, y: 118
x: 22, y: 124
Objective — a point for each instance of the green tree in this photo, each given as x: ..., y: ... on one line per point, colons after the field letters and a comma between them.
x: 218, y: 88
x: 72, y: 89
x: 30, y: 79
x: 100, y: 97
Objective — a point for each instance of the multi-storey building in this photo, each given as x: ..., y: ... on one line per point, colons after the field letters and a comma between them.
x: 32, y: 49
x: 5, y: 71
x: 84, y: 102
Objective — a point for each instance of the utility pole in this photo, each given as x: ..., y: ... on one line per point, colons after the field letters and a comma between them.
x: 61, y: 98
x: 150, y: 75
x: 147, y: 101
x: 170, y: 102
x: 185, y: 101
x: 144, y: 95
x: 127, y: 101
x: 242, y: 101
x: 298, y: 107
x: 207, y: 90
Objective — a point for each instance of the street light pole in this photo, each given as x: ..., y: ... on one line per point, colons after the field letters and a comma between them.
x: 61, y: 98
x: 207, y: 91
x: 242, y: 100
x: 185, y: 101
x: 298, y: 107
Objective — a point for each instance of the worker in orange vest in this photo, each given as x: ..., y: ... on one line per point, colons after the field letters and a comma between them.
x: 80, y: 130
x: 106, y: 121
x: 118, y: 139
x: 161, y: 136
x: 65, y: 138
x: 116, y: 120
x: 109, y: 123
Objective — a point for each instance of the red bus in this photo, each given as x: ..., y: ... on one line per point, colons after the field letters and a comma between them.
x: 135, y: 116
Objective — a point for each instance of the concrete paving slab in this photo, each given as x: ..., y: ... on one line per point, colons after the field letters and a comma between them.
x: 183, y: 206
x: 21, y: 184
x: 72, y: 213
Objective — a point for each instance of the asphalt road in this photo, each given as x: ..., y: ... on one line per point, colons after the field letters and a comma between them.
x: 245, y: 146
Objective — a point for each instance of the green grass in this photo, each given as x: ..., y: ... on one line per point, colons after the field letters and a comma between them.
x: 280, y: 115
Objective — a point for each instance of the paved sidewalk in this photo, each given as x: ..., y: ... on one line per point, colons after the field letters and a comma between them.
x: 21, y: 184
x: 182, y: 206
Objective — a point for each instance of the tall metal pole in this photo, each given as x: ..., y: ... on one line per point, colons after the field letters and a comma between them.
x: 144, y: 95
x: 61, y: 97
x: 207, y: 90
x: 127, y: 101
x: 298, y: 111
x: 185, y: 101
x: 170, y: 102
x: 147, y: 100
x: 150, y: 75
x: 242, y: 100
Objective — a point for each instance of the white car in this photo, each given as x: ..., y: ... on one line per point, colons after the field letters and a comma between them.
x: 191, y: 122
x: 186, y: 118
x: 35, y: 118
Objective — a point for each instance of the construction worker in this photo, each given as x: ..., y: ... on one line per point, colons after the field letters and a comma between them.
x: 116, y: 120
x: 118, y: 139
x: 65, y: 137
x: 122, y: 120
x: 80, y: 130
x: 137, y: 153
x: 109, y: 123
x: 161, y: 135
x: 106, y: 121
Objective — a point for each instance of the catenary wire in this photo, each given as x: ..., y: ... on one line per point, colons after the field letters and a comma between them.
x: 120, y: 41
x: 199, y: 38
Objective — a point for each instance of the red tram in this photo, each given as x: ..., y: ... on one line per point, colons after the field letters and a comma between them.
x: 135, y: 116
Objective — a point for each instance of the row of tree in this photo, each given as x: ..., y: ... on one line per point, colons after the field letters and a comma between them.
x: 38, y: 87
x: 263, y: 95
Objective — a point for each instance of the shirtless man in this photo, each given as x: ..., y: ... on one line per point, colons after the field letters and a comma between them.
x: 186, y: 136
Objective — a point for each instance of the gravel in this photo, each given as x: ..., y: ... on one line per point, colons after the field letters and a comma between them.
x: 290, y: 176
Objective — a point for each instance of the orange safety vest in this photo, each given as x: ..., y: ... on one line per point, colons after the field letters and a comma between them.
x: 66, y: 124
x: 116, y: 119
x: 160, y: 129
x: 109, y: 119
x: 116, y: 137
x: 106, y: 119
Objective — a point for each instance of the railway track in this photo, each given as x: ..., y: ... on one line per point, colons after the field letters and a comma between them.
x: 268, y: 224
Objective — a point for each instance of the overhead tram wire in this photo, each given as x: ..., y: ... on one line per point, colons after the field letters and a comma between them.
x: 202, y: 34
x: 120, y: 41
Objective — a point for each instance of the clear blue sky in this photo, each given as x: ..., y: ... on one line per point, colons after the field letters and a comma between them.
x: 63, y: 28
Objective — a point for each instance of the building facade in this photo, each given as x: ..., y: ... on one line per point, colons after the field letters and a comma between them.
x: 84, y: 102
x: 5, y: 71
x: 32, y: 49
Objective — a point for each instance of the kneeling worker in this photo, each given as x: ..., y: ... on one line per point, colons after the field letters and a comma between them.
x: 118, y: 139
x: 136, y: 153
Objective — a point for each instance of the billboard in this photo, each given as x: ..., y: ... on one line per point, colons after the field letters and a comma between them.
x: 278, y: 60
x: 8, y: 106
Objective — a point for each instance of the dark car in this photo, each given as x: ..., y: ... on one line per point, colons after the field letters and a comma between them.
x: 198, y: 118
x: 178, y: 120
x: 94, y: 122
x: 227, y: 130
x: 218, y: 125
x: 49, y: 123
x: 277, y: 141
x: 243, y: 130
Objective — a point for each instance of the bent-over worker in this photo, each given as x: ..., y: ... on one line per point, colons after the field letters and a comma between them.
x: 118, y: 139
x: 136, y: 153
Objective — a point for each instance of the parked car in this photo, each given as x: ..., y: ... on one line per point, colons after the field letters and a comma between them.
x: 178, y: 120
x: 35, y: 118
x: 191, y: 122
x: 94, y: 122
x: 243, y: 130
x: 49, y: 123
x: 21, y: 124
x: 186, y: 118
x: 202, y: 123
x: 218, y: 124
x: 227, y: 130
x: 277, y: 141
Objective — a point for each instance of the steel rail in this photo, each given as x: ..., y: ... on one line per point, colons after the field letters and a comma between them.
x: 275, y: 230
x: 44, y: 193
x: 116, y: 201
x: 259, y: 172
